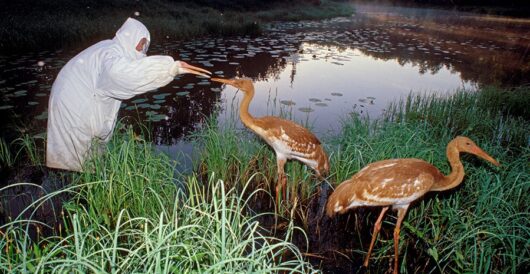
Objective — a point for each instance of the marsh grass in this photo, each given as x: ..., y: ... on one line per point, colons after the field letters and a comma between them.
x: 483, y: 225
x: 26, y: 150
x: 129, y: 214
x: 30, y: 148
x: 237, y: 155
x: 6, y: 159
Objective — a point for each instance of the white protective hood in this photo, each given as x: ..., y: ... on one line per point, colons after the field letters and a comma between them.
x: 87, y: 93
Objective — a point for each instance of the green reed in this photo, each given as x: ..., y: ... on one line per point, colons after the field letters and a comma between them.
x: 237, y: 155
x: 130, y: 214
x: 6, y: 159
x: 481, y: 226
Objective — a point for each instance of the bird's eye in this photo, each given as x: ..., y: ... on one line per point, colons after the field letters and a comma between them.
x: 468, y: 144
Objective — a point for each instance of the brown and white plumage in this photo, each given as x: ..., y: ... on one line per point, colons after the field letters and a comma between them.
x: 288, y: 139
x: 399, y: 182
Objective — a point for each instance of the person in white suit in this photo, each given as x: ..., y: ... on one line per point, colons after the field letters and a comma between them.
x: 88, y: 91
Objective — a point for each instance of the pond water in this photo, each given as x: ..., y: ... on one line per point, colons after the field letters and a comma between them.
x: 313, y: 72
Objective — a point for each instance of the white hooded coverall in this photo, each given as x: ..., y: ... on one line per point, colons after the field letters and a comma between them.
x: 87, y: 93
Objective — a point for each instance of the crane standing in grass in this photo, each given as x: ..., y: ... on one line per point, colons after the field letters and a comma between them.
x: 399, y: 182
x: 288, y: 139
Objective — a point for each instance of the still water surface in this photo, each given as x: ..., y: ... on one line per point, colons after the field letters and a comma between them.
x: 315, y: 73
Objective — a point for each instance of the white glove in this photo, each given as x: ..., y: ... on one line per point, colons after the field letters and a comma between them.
x: 174, y: 70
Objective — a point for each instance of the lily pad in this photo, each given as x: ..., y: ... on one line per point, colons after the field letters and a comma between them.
x: 321, y: 104
x: 336, y: 94
x: 153, y: 116
x: 6, y: 107
x: 160, y: 96
x: 20, y: 93
x: 32, y: 103
x: 42, y: 116
x: 314, y: 100
x: 287, y: 102
x: 182, y: 93
x: 306, y: 109
x: 161, y: 101
x: 139, y: 101
x: 144, y: 105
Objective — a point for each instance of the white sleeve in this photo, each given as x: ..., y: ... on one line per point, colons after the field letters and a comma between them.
x: 122, y: 78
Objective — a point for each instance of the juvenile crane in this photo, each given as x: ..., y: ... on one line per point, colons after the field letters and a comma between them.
x: 399, y: 182
x: 288, y: 139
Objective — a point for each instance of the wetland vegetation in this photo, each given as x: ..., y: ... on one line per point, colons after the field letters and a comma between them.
x: 135, y: 210
x: 134, y: 213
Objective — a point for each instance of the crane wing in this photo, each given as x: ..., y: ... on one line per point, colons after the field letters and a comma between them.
x: 297, y: 137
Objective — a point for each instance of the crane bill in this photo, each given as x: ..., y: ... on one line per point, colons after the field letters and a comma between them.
x: 224, y: 81
x: 187, y: 68
x: 481, y: 153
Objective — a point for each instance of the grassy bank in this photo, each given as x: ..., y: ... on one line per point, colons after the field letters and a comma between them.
x: 37, y: 25
x: 135, y: 215
x: 482, y: 226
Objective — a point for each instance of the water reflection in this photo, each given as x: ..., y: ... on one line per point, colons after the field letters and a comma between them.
x: 331, y: 83
x: 312, y: 72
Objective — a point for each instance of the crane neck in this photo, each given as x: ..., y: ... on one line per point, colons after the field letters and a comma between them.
x: 245, y: 116
x: 456, y: 176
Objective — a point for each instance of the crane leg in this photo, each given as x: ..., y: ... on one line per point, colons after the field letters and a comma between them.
x: 377, y: 227
x: 282, y: 181
x: 401, y: 215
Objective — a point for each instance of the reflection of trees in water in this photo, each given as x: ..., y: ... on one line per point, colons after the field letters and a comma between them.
x: 262, y: 67
x: 482, y: 56
x: 491, y: 52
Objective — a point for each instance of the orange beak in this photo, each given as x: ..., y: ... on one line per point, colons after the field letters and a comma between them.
x: 187, y: 68
x: 482, y: 154
x: 224, y: 81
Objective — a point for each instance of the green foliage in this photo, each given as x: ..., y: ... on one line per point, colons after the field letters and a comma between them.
x: 129, y: 215
x: 6, y: 160
x: 130, y: 175
x: 130, y: 212
x: 28, y: 147
x: 478, y: 115
x: 238, y: 156
x: 30, y: 25
x: 480, y: 227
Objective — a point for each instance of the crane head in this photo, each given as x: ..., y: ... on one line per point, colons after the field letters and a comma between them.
x: 464, y: 144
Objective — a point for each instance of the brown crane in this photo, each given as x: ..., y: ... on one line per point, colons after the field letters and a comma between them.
x: 288, y: 139
x: 399, y: 182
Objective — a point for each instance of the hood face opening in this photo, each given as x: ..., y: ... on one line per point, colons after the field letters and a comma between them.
x: 130, y: 34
